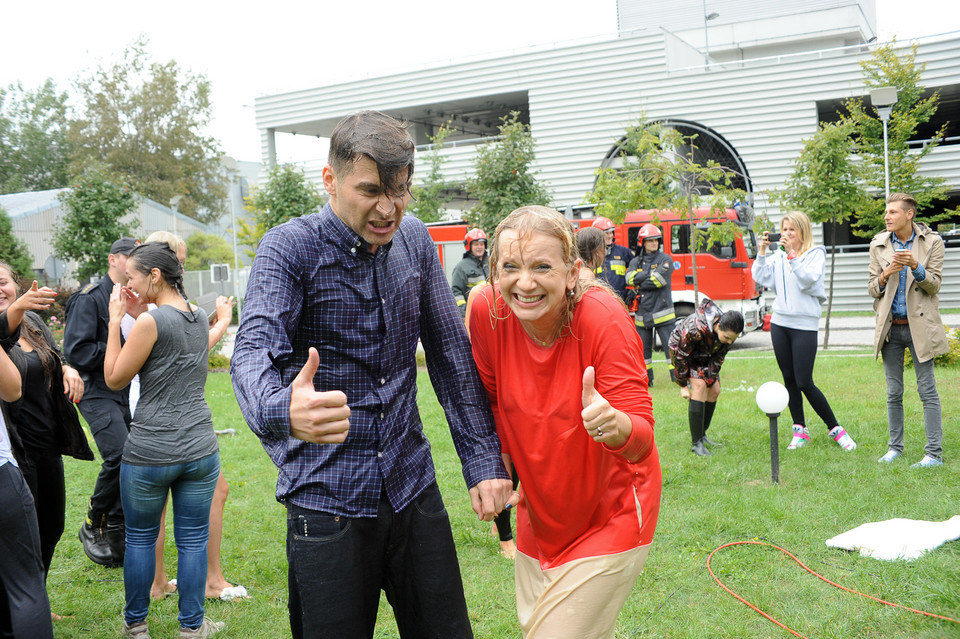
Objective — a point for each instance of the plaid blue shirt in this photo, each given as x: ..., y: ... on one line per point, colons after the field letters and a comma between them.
x: 315, y: 283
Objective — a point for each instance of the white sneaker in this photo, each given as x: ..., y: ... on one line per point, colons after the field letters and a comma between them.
x: 889, y: 456
x: 840, y: 436
x: 208, y: 628
x: 927, y: 462
x: 800, y: 437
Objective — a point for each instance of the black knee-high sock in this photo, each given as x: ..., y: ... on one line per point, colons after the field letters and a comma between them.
x: 708, y: 408
x: 696, y: 414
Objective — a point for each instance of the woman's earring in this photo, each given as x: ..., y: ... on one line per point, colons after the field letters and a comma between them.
x: 569, y: 292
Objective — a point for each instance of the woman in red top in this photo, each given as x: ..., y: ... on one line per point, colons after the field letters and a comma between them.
x: 564, y: 369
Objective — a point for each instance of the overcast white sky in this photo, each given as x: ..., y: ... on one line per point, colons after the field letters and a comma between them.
x: 257, y: 48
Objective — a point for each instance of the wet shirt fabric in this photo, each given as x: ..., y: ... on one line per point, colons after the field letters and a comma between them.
x: 695, y: 348
x: 579, y: 498
x: 315, y: 283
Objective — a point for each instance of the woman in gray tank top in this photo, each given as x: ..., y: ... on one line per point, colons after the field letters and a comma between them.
x: 171, y: 446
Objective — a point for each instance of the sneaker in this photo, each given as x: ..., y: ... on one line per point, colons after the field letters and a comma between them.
x: 139, y: 630
x: 927, y: 462
x: 800, y: 437
x: 889, y: 456
x: 840, y: 436
x: 208, y: 628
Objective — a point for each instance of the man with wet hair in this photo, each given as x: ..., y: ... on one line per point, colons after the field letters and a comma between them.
x: 325, y: 372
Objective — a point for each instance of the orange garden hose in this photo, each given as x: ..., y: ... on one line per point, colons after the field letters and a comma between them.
x: 818, y: 576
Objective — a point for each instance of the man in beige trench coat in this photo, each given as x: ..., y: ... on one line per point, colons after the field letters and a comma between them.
x: 906, y: 262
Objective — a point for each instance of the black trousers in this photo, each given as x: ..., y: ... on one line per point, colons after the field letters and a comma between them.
x: 109, y: 422
x: 24, y: 607
x: 796, y: 352
x: 43, y: 472
x: 338, y: 566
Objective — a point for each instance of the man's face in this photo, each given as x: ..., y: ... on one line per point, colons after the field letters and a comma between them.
x: 182, y: 253
x: 118, y: 262
x: 371, y: 211
x: 608, y: 238
x: 899, y: 218
x: 478, y: 247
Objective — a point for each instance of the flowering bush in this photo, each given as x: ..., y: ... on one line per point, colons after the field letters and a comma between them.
x: 950, y: 358
x: 56, y: 327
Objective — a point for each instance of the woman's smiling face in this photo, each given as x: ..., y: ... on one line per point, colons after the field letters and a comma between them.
x: 534, y: 279
x: 8, y: 289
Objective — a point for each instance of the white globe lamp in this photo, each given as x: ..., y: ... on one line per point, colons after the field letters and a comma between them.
x: 772, y: 398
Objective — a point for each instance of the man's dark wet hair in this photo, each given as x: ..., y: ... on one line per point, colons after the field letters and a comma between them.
x: 379, y: 137
x: 731, y: 321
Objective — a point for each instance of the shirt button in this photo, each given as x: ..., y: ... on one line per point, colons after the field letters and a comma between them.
x: 380, y: 454
x: 353, y: 250
x: 382, y: 381
x: 381, y: 415
x: 383, y: 300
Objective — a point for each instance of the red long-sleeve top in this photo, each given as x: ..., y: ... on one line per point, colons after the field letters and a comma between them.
x: 579, y: 498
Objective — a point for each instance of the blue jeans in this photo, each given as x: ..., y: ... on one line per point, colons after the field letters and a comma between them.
x: 338, y: 566
x: 892, y: 351
x: 144, y: 492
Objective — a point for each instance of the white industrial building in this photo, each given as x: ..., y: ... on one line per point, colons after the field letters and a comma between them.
x: 753, y: 81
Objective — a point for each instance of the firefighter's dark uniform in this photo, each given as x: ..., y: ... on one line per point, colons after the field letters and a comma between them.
x: 106, y: 411
x: 614, y: 269
x: 649, y: 275
x: 471, y: 271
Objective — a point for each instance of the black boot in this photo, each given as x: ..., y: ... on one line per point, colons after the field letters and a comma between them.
x: 92, y: 536
x: 673, y: 374
x: 115, y: 534
x: 695, y: 414
x: 650, y: 377
x: 708, y: 408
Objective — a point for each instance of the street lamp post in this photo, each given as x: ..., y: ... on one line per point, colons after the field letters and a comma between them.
x: 772, y: 398
x: 706, y: 39
x: 883, y: 99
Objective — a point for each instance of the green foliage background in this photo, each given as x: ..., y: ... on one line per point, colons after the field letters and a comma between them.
x: 13, y: 251
x: 430, y: 197
x: 287, y: 194
x: 204, y: 249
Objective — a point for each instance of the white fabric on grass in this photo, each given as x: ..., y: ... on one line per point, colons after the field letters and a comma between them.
x: 898, y: 538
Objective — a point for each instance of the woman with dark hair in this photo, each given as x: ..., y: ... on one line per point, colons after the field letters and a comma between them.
x: 592, y: 250
x: 171, y: 446
x: 45, y: 419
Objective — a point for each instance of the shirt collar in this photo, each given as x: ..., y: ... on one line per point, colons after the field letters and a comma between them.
x: 345, y: 237
x: 896, y: 240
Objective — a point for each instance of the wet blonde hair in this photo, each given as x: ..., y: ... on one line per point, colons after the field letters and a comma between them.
x: 801, y: 223
x: 528, y: 220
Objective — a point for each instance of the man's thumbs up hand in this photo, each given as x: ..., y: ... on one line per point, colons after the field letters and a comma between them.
x: 318, y: 417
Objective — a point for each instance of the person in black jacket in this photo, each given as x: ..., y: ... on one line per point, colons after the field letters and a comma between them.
x: 106, y: 411
x: 472, y: 270
x: 45, y: 418
x: 616, y: 258
x: 649, y: 275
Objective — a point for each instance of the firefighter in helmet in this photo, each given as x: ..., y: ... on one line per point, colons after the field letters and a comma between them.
x: 649, y: 276
x: 473, y: 269
x: 614, y: 269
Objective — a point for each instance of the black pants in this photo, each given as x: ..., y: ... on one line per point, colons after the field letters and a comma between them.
x: 646, y: 336
x: 24, y: 607
x: 43, y: 472
x: 338, y: 565
x: 109, y: 422
x: 796, y: 352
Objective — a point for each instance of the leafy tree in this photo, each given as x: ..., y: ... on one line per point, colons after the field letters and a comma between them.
x: 14, y: 251
x: 503, y: 180
x: 145, y: 120
x: 659, y: 171
x: 431, y: 196
x: 888, y: 67
x: 204, y: 249
x: 33, y: 138
x: 93, y: 220
x: 826, y: 185
x: 287, y: 194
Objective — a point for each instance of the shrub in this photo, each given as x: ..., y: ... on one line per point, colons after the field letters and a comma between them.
x: 950, y: 358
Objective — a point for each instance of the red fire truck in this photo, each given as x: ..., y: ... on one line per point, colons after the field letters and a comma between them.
x: 723, y: 270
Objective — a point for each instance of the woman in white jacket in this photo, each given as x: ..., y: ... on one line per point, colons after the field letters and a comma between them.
x: 795, y: 273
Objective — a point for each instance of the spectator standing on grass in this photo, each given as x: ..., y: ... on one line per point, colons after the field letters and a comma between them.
x: 616, y: 258
x: 698, y: 346
x: 649, y: 278
x: 106, y: 411
x: 559, y: 357
x: 906, y: 263
x: 796, y: 275
x: 325, y: 372
x: 24, y: 607
x: 171, y: 446
x: 45, y: 416
x: 591, y: 246
x: 472, y: 270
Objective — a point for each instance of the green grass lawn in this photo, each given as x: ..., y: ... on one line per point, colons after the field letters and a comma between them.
x: 823, y: 491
